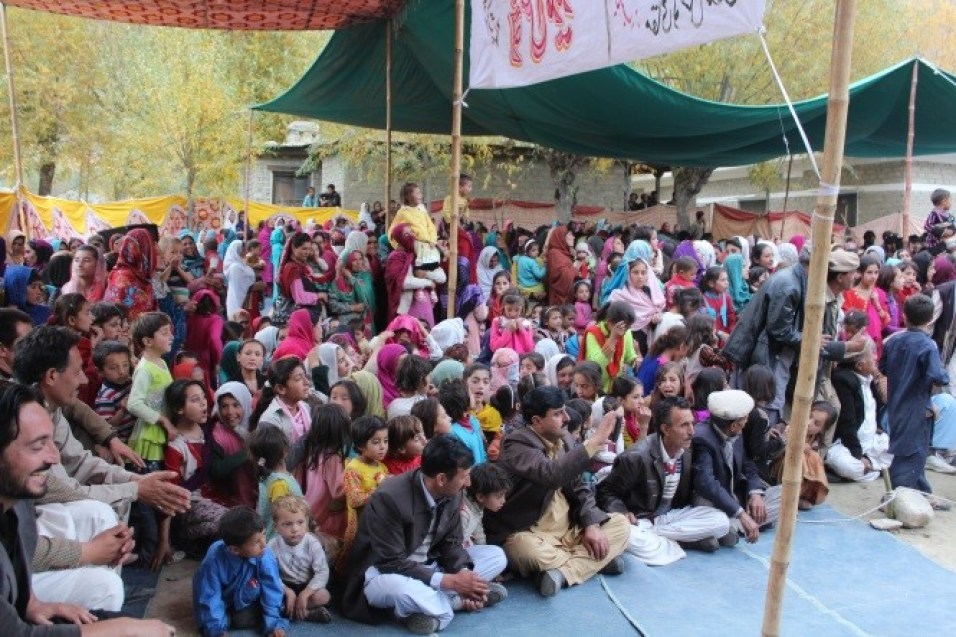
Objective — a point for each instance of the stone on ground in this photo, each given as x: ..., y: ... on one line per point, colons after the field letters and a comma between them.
x: 886, y: 524
x: 910, y: 507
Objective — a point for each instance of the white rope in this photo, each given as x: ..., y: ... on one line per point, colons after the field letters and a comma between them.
x: 786, y: 98
x: 614, y: 600
x: 855, y: 517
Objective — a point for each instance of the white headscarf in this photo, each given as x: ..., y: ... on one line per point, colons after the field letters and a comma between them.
x: 239, y: 277
x: 486, y: 273
x: 328, y: 356
x: 551, y: 368
x: 449, y: 332
x: 241, y: 393
x: 268, y: 336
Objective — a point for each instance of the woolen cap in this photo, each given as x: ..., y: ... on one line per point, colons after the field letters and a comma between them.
x: 730, y: 404
x: 843, y: 261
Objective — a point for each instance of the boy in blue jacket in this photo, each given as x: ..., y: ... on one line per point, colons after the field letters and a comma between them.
x: 238, y: 584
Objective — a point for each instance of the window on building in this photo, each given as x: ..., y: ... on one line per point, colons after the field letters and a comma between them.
x: 846, y: 209
x: 288, y: 189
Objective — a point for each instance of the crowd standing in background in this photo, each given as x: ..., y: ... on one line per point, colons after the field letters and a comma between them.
x: 291, y: 406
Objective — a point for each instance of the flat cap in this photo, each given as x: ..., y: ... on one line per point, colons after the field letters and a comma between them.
x: 730, y: 404
x: 843, y: 261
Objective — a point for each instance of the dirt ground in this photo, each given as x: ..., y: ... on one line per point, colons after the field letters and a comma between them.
x: 173, y: 600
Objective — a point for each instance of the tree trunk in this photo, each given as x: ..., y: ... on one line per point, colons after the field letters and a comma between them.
x: 563, y: 203
x: 562, y: 167
x: 47, y: 172
x: 688, y: 182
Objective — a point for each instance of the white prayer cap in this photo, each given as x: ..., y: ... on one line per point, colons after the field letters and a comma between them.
x: 730, y: 404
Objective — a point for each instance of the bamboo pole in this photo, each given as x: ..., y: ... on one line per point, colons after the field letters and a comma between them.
x: 14, y: 121
x: 908, y: 164
x: 821, y: 229
x: 248, y: 187
x: 455, y: 169
x: 388, y: 123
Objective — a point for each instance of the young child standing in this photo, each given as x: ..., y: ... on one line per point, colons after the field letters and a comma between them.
x: 913, y: 368
x: 511, y: 329
x: 302, y: 563
x: 406, y: 441
x: 282, y: 403
x: 488, y: 490
x: 363, y: 473
x: 238, y: 584
x: 153, y: 337
x: 583, y: 315
x: 684, y: 269
x: 269, y: 448
x: 114, y: 362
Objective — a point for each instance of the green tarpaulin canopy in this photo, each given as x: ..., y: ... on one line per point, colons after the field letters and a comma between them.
x: 614, y: 112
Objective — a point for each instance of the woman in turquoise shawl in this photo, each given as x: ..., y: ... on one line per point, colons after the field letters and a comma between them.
x: 229, y: 369
x: 739, y: 290
x: 638, y: 249
x: 503, y: 259
x: 277, y: 239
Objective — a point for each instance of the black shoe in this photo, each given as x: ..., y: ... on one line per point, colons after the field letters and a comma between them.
x: 319, y: 615
x: 496, y: 594
x: 550, y: 582
x: 707, y: 545
x: 614, y: 567
x: 421, y: 624
x: 730, y: 540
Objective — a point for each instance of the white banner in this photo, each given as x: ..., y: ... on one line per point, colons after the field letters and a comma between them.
x: 522, y: 42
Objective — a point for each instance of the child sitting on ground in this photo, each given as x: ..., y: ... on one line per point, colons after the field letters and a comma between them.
x: 406, y: 441
x: 269, y: 448
x: 238, y: 584
x: 488, y: 489
x: 815, y: 486
x: 302, y: 564
x: 684, y: 269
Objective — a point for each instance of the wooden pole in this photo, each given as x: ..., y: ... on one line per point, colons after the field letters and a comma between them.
x: 388, y: 123
x: 14, y: 121
x: 821, y: 230
x: 248, y: 175
x: 786, y: 198
x: 908, y: 164
x: 455, y: 169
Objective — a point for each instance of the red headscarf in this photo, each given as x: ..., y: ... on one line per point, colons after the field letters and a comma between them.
x: 560, y: 271
x: 130, y: 281
x: 301, y: 337
x: 291, y: 270
x: 184, y: 371
x: 397, y: 265
x: 204, y: 333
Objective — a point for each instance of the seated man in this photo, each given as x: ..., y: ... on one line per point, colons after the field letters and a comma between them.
x: 651, y: 485
x: 408, y: 555
x: 550, y: 523
x: 27, y: 453
x: 724, y: 477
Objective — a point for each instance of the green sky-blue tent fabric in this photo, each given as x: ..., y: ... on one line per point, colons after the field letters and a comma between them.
x: 615, y: 112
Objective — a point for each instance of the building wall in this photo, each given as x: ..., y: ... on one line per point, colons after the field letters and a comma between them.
x: 263, y: 169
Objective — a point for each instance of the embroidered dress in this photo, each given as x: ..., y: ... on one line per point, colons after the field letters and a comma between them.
x: 360, y: 479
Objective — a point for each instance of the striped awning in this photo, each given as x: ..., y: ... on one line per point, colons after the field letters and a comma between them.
x: 240, y: 15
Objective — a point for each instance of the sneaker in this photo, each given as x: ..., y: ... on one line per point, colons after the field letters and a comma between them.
x: 614, y: 567
x: 706, y: 545
x: 730, y: 540
x: 319, y: 615
x: 496, y: 594
x: 935, y: 463
x: 421, y: 624
x: 551, y: 582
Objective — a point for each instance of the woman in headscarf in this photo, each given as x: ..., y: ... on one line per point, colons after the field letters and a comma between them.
x: 644, y: 294
x: 739, y: 290
x: 334, y: 365
x: 233, y: 476
x: 297, y: 288
x: 406, y: 330
x: 16, y: 245
x: 239, y: 276
x: 193, y: 261
x: 788, y: 255
x: 448, y: 369
x: 204, y: 332
x: 446, y: 334
x: 88, y: 274
x: 37, y: 254
x: 372, y: 391
x: 387, y: 360
x: 560, y: 262
x: 301, y: 339
x: 277, y: 242
x: 470, y: 306
x: 229, y: 369
x: 131, y: 280
x: 23, y: 289
x: 353, y: 294
x: 602, y: 273
x: 548, y: 348
x: 495, y: 239
x: 637, y: 249
x: 407, y: 294
x: 504, y: 369
x: 489, y: 264
x: 943, y: 270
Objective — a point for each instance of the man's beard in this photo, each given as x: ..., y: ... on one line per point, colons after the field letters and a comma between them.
x: 12, y: 487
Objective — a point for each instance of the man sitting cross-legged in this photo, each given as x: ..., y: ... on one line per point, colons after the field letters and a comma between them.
x: 651, y: 485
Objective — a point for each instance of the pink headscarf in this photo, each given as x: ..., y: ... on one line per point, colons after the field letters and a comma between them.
x: 301, y: 337
x: 645, y: 306
x: 602, y: 272
x: 504, y: 368
x: 797, y: 241
x: 418, y: 335
x: 387, y: 360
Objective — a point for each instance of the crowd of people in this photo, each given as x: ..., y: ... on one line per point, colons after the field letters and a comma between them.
x: 292, y: 407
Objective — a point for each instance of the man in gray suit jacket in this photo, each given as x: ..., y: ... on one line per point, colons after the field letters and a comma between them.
x: 27, y: 453
x: 408, y: 555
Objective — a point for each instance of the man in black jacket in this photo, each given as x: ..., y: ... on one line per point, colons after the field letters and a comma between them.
x: 408, y: 555
x: 651, y: 485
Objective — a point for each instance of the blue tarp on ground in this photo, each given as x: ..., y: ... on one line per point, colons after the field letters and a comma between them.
x: 845, y: 579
